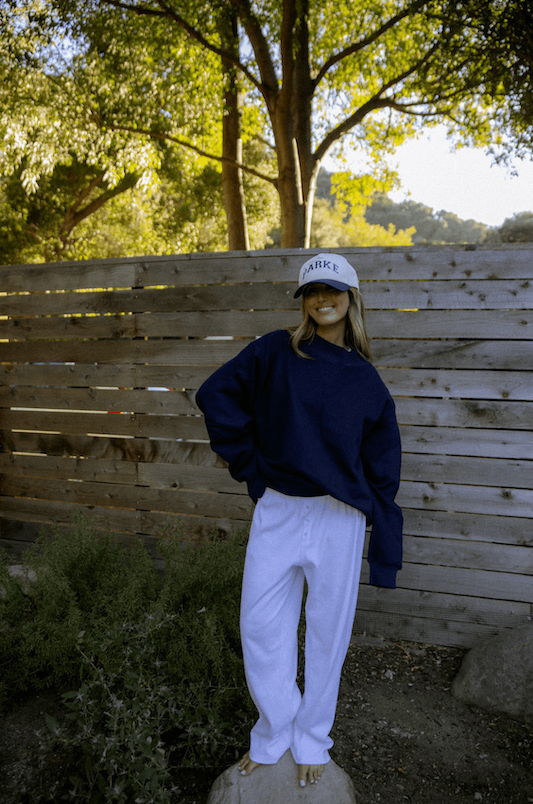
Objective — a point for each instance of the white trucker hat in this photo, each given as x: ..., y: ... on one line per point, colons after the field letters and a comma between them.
x: 330, y: 269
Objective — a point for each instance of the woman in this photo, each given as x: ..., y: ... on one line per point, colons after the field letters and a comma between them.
x: 303, y: 417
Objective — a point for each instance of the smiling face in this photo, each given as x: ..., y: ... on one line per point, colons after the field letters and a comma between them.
x: 328, y: 308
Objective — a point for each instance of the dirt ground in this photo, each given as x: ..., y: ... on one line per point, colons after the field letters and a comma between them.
x: 399, y: 734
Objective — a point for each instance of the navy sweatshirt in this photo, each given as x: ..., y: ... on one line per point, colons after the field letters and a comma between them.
x: 308, y: 428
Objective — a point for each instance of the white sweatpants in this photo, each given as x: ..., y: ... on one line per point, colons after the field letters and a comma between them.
x: 292, y: 538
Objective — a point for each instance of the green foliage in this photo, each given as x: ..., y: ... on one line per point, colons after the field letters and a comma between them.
x: 333, y: 227
x: 430, y: 227
x: 495, y: 40
x: 518, y: 229
x: 120, y: 712
x: 157, y: 665
x: 84, y: 581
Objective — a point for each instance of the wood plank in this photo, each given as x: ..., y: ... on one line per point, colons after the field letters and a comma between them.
x: 135, y: 325
x: 470, y: 555
x: 513, y: 261
x: 168, y: 351
x: 103, y: 375
x: 450, y: 354
x: 164, y: 524
x: 151, y: 525
x: 154, y: 300
x: 158, y: 475
x: 50, y: 511
x: 67, y: 275
x: 505, y: 502
x: 491, y: 324
x: 437, y: 605
x: 187, y: 476
x: 166, y: 451
x: 469, y: 527
x: 416, y: 440
x: 467, y: 470
x: 470, y: 324
x: 234, y: 506
x: 83, y: 326
x: 460, y: 581
x: 137, y: 424
x: 410, y: 382
x: 459, y: 383
x: 48, y: 466
x: 93, y: 399
x: 371, y: 263
x: 390, y: 295
x: 432, y: 413
x: 461, y: 441
x: 416, y: 629
x: 473, y: 413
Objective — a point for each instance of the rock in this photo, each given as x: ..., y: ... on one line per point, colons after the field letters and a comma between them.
x: 278, y: 784
x: 24, y: 576
x: 497, y: 675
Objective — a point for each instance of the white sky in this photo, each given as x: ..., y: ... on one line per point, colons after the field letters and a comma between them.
x: 465, y: 182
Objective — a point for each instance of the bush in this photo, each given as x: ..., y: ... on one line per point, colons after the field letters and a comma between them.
x: 160, y: 664
x: 120, y: 712
x: 85, y: 581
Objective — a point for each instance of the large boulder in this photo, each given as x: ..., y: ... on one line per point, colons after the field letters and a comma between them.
x: 278, y: 784
x: 497, y: 675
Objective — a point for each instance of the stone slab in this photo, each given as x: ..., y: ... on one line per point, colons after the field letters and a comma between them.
x: 497, y: 675
x: 278, y: 784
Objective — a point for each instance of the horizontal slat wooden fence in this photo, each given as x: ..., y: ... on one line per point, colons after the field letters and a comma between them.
x: 88, y: 351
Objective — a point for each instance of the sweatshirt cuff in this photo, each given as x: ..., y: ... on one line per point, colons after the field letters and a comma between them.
x: 383, y: 575
x: 256, y: 488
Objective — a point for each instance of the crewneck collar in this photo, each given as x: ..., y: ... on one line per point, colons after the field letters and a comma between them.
x: 332, y: 351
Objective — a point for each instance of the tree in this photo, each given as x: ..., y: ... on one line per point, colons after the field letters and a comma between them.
x: 429, y: 226
x: 498, y: 37
x: 60, y: 163
x: 316, y: 73
x: 518, y: 229
x: 188, y: 97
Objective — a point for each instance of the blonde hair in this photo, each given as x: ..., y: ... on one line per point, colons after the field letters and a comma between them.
x: 356, y: 336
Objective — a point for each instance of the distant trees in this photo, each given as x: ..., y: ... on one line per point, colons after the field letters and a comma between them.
x: 431, y: 227
x: 518, y: 229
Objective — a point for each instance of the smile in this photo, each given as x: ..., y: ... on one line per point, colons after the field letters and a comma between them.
x: 325, y: 309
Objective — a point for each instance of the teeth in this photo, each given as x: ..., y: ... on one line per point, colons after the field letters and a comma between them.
x: 324, y: 309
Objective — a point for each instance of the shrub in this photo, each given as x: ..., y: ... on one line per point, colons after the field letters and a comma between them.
x: 120, y: 713
x: 157, y: 666
x: 85, y: 582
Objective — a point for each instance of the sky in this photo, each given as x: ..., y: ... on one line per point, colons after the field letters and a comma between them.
x: 465, y: 182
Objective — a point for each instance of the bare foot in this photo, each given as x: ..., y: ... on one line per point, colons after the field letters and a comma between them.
x: 247, y: 765
x: 309, y: 773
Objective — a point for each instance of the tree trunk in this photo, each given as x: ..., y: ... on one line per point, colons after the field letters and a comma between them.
x: 232, y: 183
x: 290, y: 113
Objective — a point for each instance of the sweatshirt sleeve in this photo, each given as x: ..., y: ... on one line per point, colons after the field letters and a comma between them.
x: 226, y: 399
x: 381, y: 455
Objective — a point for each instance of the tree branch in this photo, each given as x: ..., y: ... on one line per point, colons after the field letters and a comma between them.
x: 75, y: 215
x: 349, y: 51
x: 267, y: 71
x: 378, y: 102
x: 162, y: 136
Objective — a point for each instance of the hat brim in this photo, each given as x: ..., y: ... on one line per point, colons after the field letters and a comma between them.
x: 332, y: 282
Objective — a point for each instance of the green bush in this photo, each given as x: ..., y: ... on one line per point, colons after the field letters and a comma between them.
x: 120, y: 713
x: 85, y: 581
x: 157, y: 665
